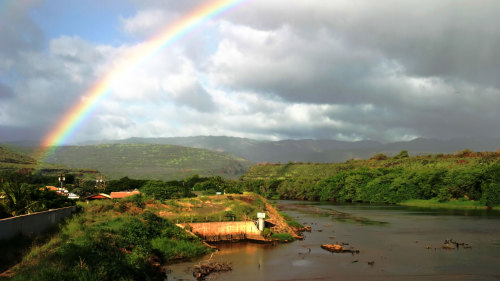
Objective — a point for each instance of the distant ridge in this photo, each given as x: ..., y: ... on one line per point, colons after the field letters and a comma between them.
x: 11, y: 160
x: 322, y: 150
x: 147, y: 161
x: 309, y: 150
x: 9, y: 157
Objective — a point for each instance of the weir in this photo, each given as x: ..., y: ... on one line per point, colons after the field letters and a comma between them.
x: 225, y: 231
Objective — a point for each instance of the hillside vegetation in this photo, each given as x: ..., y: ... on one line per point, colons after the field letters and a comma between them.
x: 12, y: 160
x: 464, y: 176
x: 8, y: 156
x: 321, y: 150
x: 148, y: 161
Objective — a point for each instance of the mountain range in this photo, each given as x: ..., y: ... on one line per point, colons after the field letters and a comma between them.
x: 229, y: 157
x: 309, y: 150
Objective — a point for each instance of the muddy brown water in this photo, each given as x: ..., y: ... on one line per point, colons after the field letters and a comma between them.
x: 402, y: 242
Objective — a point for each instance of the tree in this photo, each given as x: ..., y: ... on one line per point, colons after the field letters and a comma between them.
x: 160, y: 190
x: 491, y: 194
x: 17, y: 198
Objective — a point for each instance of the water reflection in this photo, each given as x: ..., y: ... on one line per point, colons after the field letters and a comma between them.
x: 329, y: 212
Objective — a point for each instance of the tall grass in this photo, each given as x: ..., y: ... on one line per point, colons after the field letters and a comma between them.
x: 290, y: 221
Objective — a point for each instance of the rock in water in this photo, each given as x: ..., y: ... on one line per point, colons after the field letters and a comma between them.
x: 203, y: 270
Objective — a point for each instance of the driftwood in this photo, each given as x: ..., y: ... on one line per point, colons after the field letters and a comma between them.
x: 203, y: 270
x: 450, y: 244
x: 336, y: 248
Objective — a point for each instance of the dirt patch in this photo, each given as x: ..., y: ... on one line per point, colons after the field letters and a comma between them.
x: 247, y: 199
x: 165, y: 214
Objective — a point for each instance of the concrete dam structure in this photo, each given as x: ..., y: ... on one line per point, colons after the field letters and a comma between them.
x: 225, y: 231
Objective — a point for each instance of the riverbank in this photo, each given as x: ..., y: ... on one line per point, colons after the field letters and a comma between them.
x: 110, y: 240
x: 134, y: 239
x: 454, y: 204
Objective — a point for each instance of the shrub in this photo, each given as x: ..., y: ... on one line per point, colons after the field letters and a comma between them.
x: 491, y: 195
x: 282, y: 237
x: 171, y: 249
x: 402, y: 154
x: 379, y: 157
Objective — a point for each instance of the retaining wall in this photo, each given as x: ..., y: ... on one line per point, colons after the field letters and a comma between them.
x: 223, y: 231
x: 33, y: 224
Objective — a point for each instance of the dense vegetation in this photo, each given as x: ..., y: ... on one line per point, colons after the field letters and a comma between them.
x: 110, y: 240
x: 132, y: 238
x: 147, y: 161
x: 464, y: 176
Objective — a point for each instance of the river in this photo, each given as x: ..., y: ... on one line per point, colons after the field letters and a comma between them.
x: 404, y: 243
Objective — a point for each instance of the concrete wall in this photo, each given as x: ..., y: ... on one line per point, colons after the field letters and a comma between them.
x: 33, y: 224
x: 217, y: 231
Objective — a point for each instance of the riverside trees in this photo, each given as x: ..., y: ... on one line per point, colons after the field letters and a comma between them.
x: 466, y: 176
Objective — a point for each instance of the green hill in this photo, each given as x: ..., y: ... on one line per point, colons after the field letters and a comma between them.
x: 314, y: 150
x: 10, y: 159
x: 14, y: 160
x: 148, y: 161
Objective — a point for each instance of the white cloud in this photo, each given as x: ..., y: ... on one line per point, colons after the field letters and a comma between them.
x: 384, y: 70
x: 146, y: 22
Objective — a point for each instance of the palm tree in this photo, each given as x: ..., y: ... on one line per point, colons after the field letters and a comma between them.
x: 17, y: 198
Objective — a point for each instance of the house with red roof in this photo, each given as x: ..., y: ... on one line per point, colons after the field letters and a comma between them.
x: 58, y: 190
x: 98, y: 196
x: 52, y: 188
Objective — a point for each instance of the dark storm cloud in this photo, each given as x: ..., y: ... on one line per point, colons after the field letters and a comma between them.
x: 18, y: 32
x: 16, y: 133
x: 340, y: 46
x: 5, y: 92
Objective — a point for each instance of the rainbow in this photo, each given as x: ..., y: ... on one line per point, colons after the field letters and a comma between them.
x: 77, y: 114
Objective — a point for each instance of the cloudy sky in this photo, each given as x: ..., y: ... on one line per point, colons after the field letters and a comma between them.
x: 385, y: 70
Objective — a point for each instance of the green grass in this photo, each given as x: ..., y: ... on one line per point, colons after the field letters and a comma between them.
x: 454, y: 204
x: 215, y: 208
x: 282, y: 237
x: 290, y: 221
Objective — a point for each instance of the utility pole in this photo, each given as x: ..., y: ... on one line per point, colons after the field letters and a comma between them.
x: 101, y: 182
x: 62, y: 179
x: 98, y: 183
